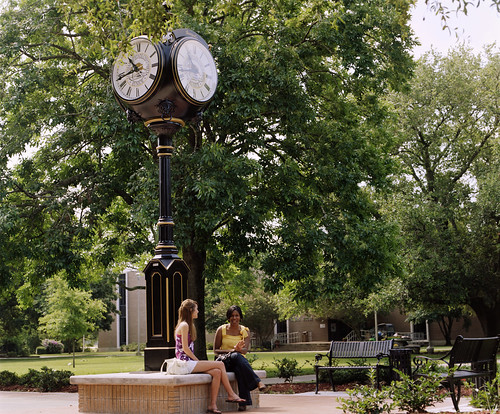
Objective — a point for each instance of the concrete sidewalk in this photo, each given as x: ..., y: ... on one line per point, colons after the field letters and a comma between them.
x: 67, y: 403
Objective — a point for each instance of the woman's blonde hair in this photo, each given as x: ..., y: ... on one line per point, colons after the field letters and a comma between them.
x: 186, y: 315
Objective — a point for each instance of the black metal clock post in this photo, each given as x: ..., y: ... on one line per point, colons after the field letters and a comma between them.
x: 166, y: 274
x: 165, y: 85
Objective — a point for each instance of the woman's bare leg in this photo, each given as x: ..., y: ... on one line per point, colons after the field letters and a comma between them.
x: 205, y: 366
x: 215, y: 384
x: 214, y: 387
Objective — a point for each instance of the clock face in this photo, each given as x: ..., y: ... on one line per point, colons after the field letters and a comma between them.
x: 136, y: 74
x: 194, y: 71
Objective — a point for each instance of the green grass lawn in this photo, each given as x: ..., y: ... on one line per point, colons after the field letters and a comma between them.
x: 104, y: 363
x: 86, y: 363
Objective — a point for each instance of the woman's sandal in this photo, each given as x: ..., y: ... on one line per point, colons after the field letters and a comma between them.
x: 214, y: 411
x: 237, y: 401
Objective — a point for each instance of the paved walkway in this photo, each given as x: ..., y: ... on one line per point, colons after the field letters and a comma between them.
x: 324, y: 402
x: 67, y: 403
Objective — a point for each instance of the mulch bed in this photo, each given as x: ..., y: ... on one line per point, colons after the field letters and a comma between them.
x: 298, y: 388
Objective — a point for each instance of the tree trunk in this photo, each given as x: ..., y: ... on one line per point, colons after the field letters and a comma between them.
x: 445, y: 328
x: 196, y: 261
x: 74, y: 353
x: 488, y: 316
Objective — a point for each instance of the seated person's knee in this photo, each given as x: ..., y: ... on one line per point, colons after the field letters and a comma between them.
x: 235, y: 356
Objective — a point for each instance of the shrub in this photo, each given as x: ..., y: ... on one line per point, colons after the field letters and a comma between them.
x: 488, y: 396
x: 47, y: 379
x: 344, y: 376
x: 52, y: 347
x: 30, y: 379
x: 8, y: 378
x: 367, y: 399
x: 13, y: 347
x: 414, y: 395
x: 287, y: 368
x: 132, y: 347
x: 251, y: 358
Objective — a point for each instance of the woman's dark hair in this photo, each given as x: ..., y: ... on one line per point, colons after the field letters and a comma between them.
x: 232, y: 309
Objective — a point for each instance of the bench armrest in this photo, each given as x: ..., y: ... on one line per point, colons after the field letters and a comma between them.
x: 319, y: 357
x: 420, y: 360
x: 382, y: 355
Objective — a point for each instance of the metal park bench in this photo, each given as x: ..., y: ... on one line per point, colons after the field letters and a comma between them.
x: 353, y: 350
x: 468, y: 358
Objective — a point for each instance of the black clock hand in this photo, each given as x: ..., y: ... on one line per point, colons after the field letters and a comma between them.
x: 136, y: 69
x: 122, y: 75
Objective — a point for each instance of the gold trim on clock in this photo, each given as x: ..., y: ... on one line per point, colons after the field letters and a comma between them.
x: 154, y: 331
x: 167, y: 310
x: 176, y: 120
x: 166, y: 246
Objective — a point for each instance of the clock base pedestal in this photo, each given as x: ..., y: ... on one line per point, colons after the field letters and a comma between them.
x: 154, y: 357
x: 166, y: 288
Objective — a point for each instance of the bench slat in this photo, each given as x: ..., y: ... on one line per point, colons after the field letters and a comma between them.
x: 359, y: 349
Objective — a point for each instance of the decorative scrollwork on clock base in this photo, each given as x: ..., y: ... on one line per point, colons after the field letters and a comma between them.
x: 166, y: 108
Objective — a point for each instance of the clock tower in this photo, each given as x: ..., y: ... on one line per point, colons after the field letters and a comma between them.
x: 164, y: 85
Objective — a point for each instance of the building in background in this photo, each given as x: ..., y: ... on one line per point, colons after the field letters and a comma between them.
x: 129, y: 325
x: 309, y: 329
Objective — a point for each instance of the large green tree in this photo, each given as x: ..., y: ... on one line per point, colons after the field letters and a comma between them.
x: 284, y: 162
x: 68, y: 201
x: 448, y: 123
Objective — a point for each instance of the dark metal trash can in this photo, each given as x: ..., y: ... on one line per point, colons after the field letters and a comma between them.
x: 400, y: 359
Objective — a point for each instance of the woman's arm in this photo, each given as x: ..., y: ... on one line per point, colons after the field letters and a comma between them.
x: 184, y: 330
x: 218, y: 341
x: 247, y: 342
